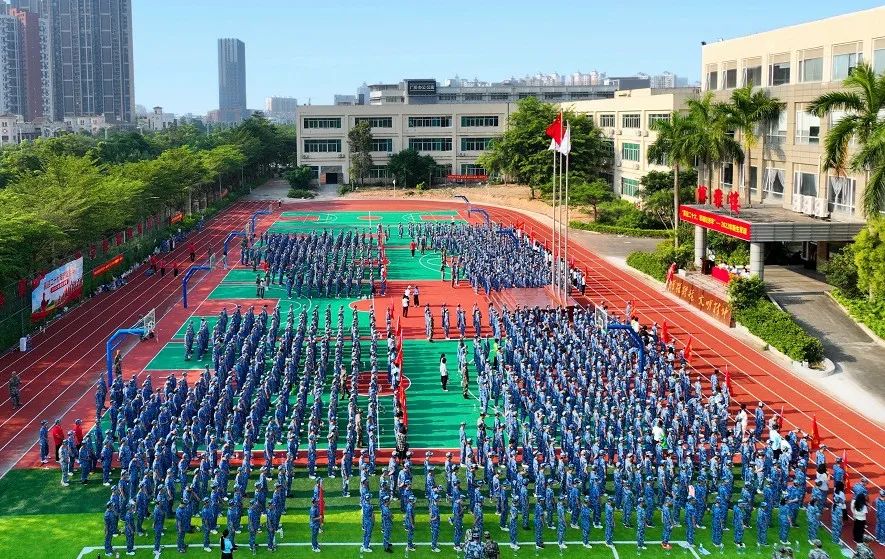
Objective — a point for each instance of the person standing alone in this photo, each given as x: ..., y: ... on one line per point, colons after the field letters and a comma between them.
x: 443, y: 372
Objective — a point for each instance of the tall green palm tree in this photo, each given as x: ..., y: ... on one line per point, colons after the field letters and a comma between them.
x: 746, y: 111
x: 711, y: 139
x: 670, y: 148
x: 863, y: 102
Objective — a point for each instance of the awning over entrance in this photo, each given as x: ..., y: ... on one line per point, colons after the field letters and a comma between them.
x: 762, y: 224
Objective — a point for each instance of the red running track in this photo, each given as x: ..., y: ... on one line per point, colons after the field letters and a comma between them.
x: 65, y: 360
x: 61, y: 369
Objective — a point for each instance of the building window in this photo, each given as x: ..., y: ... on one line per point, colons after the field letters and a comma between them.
x: 322, y: 146
x: 811, y: 65
x: 322, y: 122
x: 579, y: 95
x: 754, y: 178
x: 467, y: 121
x: 378, y: 172
x: 448, y: 97
x: 431, y: 144
x: 473, y: 96
x: 753, y: 72
x: 376, y: 121
x: 499, y: 96
x: 382, y: 144
x: 633, y: 120
x: 807, y: 128
x: 879, y: 56
x: 553, y: 95
x: 840, y: 194
x: 727, y: 174
x: 712, y: 80
x: 805, y: 184
x: 779, y: 70
x: 475, y: 144
x: 777, y: 129
x: 430, y: 121
x: 845, y: 59
x: 472, y: 169
x: 629, y: 187
x: 630, y: 152
x: 393, y: 99
x: 657, y: 117
x: 773, y: 184
x: 607, y: 121
x: 525, y: 95
x: 442, y: 171
x: 730, y: 78
x: 314, y: 172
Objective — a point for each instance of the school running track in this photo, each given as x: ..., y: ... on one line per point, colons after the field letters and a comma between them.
x: 63, y: 366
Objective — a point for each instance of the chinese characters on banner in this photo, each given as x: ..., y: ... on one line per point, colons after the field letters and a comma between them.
x: 701, y: 298
x: 57, y: 288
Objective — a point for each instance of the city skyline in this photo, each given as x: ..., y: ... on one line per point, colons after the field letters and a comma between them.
x: 287, y: 57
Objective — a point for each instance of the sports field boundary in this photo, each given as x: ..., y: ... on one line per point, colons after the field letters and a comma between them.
x: 86, y: 551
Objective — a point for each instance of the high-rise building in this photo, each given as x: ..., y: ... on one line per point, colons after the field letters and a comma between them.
x: 12, y: 95
x: 36, y: 7
x: 91, y: 42
x: 231, y: 80
x: 281, y: 109
x: 31, y: 62
x: 666, y: 80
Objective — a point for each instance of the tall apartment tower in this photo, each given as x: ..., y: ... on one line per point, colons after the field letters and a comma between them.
x: 12, y: 93
x: 231, y: 80
x: 31, y: 62
x: 92, y: 72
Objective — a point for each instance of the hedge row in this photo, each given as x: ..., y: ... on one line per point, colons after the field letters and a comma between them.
x: 649, y: 263
x: 628, y: 231
x: 765, y: 320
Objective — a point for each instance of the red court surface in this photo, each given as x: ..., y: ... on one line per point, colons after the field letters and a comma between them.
x: 59, y: 372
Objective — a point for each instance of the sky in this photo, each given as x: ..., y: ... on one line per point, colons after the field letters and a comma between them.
x: 313, y: 49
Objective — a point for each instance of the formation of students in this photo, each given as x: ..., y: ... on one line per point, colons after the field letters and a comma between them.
x: 571, y: 432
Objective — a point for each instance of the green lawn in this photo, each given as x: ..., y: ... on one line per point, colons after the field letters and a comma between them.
x: 41, y: 520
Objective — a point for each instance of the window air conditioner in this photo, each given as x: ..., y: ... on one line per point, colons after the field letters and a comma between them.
x: 340, y: 156
x: 461, y: 154
x: 636, y: 165
x: 645, y: 132
x: 618, y: 131
x: 305, y: 156
x: 638, y: 132
x: 808, y: 205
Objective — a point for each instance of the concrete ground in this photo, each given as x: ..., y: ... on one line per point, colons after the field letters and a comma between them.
x: 858, y: 357
x: 276, y: 189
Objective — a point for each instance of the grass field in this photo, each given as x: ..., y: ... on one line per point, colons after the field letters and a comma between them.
x: 42, y: 520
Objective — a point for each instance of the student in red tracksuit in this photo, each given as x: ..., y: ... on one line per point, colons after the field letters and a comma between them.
x: 78, y: 433
x: 58, y: 436
x: 412, y: 247
x: 192, y: 250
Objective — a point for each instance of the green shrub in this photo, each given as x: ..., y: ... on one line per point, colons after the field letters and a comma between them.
x: 841, y: 272
x: 301, y: 193
x: 615, y: 230
x: 622, y: 213
x: 744, y: 293
x: 299, y: 177
x: 649, y: 263
x: 869, y: 313
x: 420, y: 186
x: 765, y: 320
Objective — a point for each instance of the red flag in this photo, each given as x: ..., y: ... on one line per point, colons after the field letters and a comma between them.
x: 555, y: 130
x: 727, y: 379
x: 401, y: 398
x: 399, y: 329
x: 398, y: 360
x: 665, y: 333
x: 687, y: 353
x: 815, y: 434
x: 321, y: 502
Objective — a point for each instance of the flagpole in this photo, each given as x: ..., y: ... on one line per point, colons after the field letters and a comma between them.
x: 567, y: 282
x: 553, y: 229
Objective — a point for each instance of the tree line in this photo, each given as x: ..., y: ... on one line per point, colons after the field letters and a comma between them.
x: 61, y: 194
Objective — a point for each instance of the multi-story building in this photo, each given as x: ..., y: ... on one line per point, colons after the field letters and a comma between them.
x: 453, y: 134
x: 796, y: 65
x: 91, y: 59
x: 231, y: 80
x: 626, y: 121
x: 666, y: 80
x: 281, y: 109
x: 157, y: 120
x: 12, y: 91
x: 429, y: 91
x: 14, y: 129
x: 31, y: 62
x: 91, y: 124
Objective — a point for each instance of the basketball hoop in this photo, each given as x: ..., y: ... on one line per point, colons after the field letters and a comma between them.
x: 149, y: 324
x: 600, y: 318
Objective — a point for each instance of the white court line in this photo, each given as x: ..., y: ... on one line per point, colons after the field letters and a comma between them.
x: 197, y: 546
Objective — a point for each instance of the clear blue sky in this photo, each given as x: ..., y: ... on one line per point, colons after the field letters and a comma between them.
x: 313, y: 49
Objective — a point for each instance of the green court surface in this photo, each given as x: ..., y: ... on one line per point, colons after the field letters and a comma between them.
x: 41, y: 520
x: 240, y: 284
x: 403, y: 266
x: 301, y: 222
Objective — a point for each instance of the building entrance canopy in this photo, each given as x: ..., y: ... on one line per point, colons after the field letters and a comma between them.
x: 762, y: 224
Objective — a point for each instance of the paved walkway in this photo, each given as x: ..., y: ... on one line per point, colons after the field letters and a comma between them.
x: 857, y: 356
